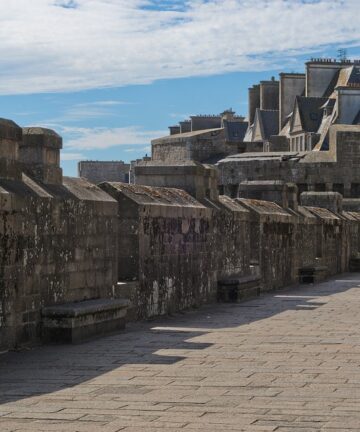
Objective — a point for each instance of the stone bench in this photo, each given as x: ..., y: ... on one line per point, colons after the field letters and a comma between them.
x: 79, y: 321
x: 312, y: 274
x: 354, y: 264
x: 237, y: 289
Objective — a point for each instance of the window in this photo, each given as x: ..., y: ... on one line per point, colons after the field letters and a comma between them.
x: 234, y: 191
x: 320, y: 187
x: 338, y: 187
x: 355, y: 190
x: 302, y: 187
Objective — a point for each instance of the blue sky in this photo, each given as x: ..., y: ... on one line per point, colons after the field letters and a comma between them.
x: 110, y: 75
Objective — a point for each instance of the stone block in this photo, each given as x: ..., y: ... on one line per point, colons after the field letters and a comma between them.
x: 39, y: 153
x: 329, y: 200
x: 9, y: 130
x: 312, y: 274
x: 41, y: 137
x: 233, y: 290
x: 79, y: 321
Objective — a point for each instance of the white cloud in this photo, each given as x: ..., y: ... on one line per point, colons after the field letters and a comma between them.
x: 65, y: 45
x: 146, y: 149
x: 71, y: 156
x: 89, y: 110
x: 104, y: 103
x: 102, y: 138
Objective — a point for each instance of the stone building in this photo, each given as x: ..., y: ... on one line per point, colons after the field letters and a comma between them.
x: 265, y: 126
x: 304, y: 123
x: 303, y: 128
x: 307, y: 104
x: 133, y: 164
x: 205, y: 138
x: 100, y: 171
x: 336, y: 169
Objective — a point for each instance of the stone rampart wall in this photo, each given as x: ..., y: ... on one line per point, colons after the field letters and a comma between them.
x: 64, y: 239
x: 181, y: 248
x: 57, y: 241
x: 55, y: 248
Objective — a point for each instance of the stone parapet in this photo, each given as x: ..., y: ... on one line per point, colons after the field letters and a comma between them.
x: 39, y: 153
x: 332, y: 201
x: 10, y: 139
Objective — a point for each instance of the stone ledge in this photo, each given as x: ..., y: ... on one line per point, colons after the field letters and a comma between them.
x: 312, y: 274
x: 80, y: 321
x: 238, y: 289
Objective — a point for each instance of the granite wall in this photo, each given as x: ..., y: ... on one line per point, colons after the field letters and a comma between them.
x: 337, y: 169
x: 64, y: 239
x: 164, y: 236
x: 200, y: 145
x: 100, y: 171
x: 178, y: 248
x: 57, y: 240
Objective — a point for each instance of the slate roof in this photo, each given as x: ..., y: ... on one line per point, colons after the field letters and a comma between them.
x: 180, y: 136
x: 311, y: 112
x: 346, y: 77
x: 270, y: 122
x: 235, y: 130
x: 338, y: 77
x: 355, y: 75
x: 357, y: 119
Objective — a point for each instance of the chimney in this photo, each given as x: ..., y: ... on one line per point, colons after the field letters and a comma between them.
x: 254, y: 102
x: 40, y: 154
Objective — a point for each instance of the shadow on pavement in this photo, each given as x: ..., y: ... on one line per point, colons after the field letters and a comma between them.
x: 49, y: 369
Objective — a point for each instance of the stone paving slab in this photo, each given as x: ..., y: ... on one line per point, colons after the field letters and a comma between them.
x: 288, y: 361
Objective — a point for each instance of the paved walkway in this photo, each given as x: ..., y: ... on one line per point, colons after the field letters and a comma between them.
x: 288, y: 361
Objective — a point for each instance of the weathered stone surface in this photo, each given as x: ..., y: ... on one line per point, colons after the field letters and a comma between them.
x: 333, y: 201
x: 39, y: 153
x: 56, y: 247
x: 68, y: 240
x: 57, y: 240
x: 199, y: 145
x: 337, y: 169
x: 177, y: 249
x: 10, y: 139
x: 239, y: 289
x: 9, y: 130
x: 162, y: 243
x: 101, y: 171
x: 199, y: 180
x: 78, y: 321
